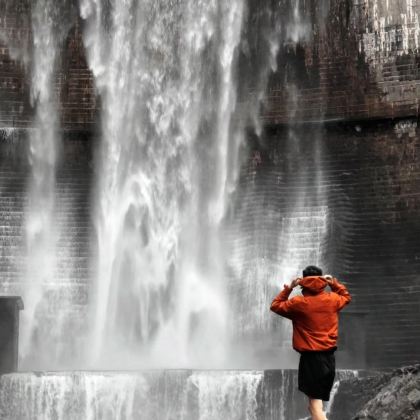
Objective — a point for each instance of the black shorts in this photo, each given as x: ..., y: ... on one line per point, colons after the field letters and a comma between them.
x: 316, y: 374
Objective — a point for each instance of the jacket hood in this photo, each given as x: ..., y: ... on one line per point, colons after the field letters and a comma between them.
x: 314, y: 284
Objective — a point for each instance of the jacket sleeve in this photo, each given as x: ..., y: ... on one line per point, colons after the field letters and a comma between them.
x: 281, y: 305
x: 342, y: 293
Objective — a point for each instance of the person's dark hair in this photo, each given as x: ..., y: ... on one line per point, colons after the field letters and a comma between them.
x: 312, y: 270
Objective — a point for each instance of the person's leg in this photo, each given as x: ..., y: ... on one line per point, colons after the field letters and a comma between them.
x: 316, y: 409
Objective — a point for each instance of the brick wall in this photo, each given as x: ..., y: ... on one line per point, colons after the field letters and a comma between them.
x: 376, y: 203
x: 368, y: 177
x: 64, y: 302
x: 74, y: 85
x: 360, y: 61
x: 15, y: 109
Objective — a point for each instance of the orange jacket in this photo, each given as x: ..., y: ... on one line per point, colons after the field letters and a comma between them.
x: 315, y: 315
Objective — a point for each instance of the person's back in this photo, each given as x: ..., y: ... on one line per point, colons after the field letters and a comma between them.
x: 315, y: 331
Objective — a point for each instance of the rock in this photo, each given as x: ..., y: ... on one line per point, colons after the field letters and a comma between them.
x: 414, y: 398
x: 354, y: 393
x: 383, y: 396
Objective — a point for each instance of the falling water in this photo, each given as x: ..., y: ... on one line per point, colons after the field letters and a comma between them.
x: 230, y: 395
x: 41, y: 190
x: 164, y: 71
x: 161, y: 395
x: 42, y: 332
x: 342, y: 375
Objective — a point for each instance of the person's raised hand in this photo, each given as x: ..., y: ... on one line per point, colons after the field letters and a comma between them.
x: 295, y: 282
x: 328, y: 278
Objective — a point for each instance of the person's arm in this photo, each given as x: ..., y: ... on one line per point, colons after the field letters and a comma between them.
x: 281, y: 304
x: 338, y: 288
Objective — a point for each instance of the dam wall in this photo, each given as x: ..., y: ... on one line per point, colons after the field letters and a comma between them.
x: 171, y: 394
x: 334, y: 175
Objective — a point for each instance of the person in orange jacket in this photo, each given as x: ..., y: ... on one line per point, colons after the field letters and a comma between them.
x: 315, y: 332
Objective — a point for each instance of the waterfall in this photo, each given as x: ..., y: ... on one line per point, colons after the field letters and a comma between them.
x: 165, y: 75
x: 174, y: 83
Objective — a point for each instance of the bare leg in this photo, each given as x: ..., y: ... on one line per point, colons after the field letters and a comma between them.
x: 316, y: 410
